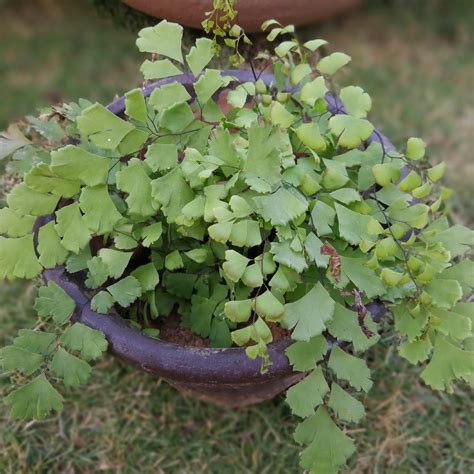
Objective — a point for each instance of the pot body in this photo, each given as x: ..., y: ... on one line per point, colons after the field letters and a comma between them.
x: 225, y: 377
x: 251, y: 13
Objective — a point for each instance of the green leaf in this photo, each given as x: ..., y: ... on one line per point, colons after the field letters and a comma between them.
x: 463, y: 273
x: 299, y: 72
x: 173, y: 261
x: 77, y: 262
x: 238, y: 311
x: 390, y: 278
x: 356, y: 102
x: 415, y: 149
x: 209, y: 83
x: 350, y: 368
x: 268, y: 307
x: 457, y: 326
x: 100, y: 213
x: 135, y: 105
x: 280, y: 116
x: 315, y: 44
x: 43, y: 179
x: 198, y: 255
x: 36, y: 399
x: 447, y: 364
x: 162, y: 156
x: 345, y: 406
x: 220, y: 232
x: 322, y: 217
x: 385, y: 173
x: 457, y: 239
x: 51, y: 252
x: 436, y: 172
x: 310, y: 135
x: 416, y: 351
x: 103, y: 128
x: 313, y: 245
x: 173, y: 193
x: 220, y: 333
x: 363, y: 278
x: 151, y: 234
x: 159, y: 69
x: 71, y: 369
x: 221, y: 146
x: 35, y: 341
x: 353, y: 226
x: 280, y: 207
x: 263, y: 160
x: 115, y: 261
x: 177, y: 117
x: 15, y: 225
x: 410, y: 325
x: 238, y: 97
x: 329, y: 65
x: 73, y: 162
x: 309, y: 315
x: 98, y: 273
x: 11, y: 140
x: 350, y: 131
x: 21, y: 359
x: 84, y: 340
x: 346, y: 195
x: 200, y: 55
x: 307, y: 394
x: 202, y: 310
x: 53, y: 301
x: 147, y: 275
x: 163, y: 39
x: 329, y: 448
x: 334, y: 176
x: 410, y: 182
x: 304, y: 356
x: 134, y: 181
x: 284, y: 254
x: 125, y: 291
x: 24, y: 201
x: 102, y: 302
x: 445, y: 293
x: 314, y: 90
x: 168, y: 95
x: 72, y: 228
x: 345, y: 327
x: 253, y: 277
x: 234, y: 265
x: 18, y: 258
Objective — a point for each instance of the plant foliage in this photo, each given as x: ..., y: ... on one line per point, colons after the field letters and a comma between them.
x: 240, y: 206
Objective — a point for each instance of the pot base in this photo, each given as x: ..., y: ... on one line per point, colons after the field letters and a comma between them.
x: 236, y: 395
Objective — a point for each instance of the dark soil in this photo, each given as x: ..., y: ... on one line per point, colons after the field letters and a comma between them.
x: 171, y: 330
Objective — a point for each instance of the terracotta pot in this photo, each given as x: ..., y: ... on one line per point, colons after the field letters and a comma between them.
x: 224, y: 377
x: 252, y: 13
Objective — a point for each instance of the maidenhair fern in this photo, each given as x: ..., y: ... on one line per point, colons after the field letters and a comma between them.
x: 238, y: 205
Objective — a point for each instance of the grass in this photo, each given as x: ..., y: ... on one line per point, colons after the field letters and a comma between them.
x: 419, y: 72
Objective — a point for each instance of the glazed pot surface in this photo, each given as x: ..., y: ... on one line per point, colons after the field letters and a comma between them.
x: 251, y: 13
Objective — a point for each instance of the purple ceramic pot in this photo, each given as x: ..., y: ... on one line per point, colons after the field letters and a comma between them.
x: 224, y: 377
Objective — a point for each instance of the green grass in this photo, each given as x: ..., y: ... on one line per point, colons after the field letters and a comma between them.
x: 419, y: 73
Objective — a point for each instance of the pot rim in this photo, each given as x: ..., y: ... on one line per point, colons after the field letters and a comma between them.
x: 229, y: 365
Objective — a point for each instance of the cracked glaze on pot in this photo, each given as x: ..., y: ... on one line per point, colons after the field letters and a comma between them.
x: 224, y: 376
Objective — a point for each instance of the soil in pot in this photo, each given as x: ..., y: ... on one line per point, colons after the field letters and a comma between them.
x: 171, y: 330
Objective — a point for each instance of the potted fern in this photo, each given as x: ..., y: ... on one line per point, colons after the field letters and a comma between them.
x: 237, y: 233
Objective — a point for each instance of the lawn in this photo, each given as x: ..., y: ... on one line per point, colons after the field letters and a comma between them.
x: 416, y: 61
